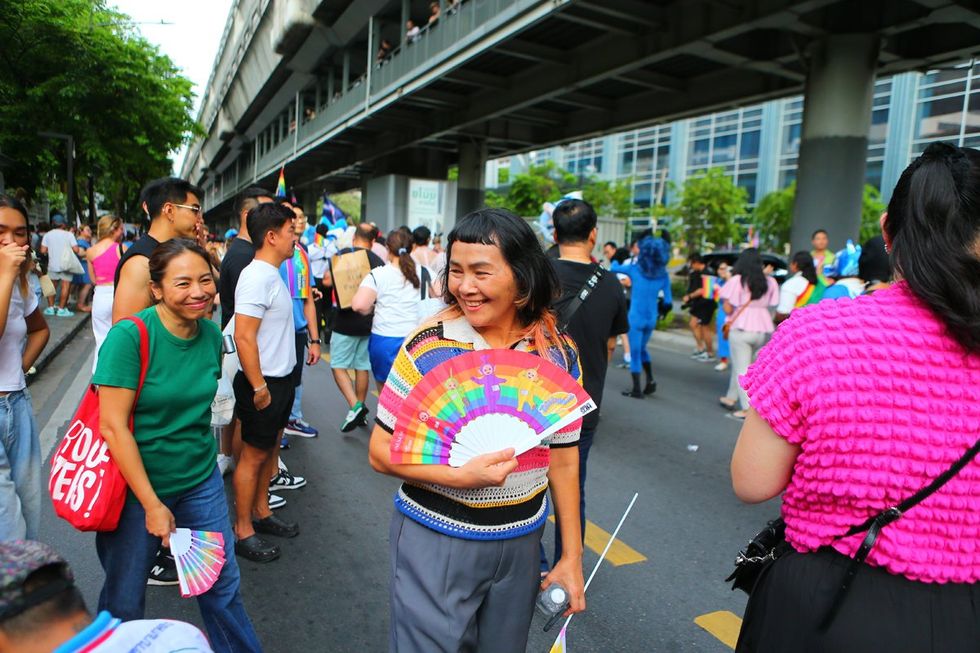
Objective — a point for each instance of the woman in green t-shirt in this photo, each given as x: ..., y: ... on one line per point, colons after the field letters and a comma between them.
x: 168, y: 458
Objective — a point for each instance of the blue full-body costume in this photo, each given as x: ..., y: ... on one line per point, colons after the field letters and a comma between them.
x: 648, y: 277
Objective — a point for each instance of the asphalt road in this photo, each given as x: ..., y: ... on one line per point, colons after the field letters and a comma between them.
x: 328, y: 591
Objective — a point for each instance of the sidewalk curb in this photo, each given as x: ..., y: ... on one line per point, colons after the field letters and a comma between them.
x: 53, y: 349
x: 673, y: 340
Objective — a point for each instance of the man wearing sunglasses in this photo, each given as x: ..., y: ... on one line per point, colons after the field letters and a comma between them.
x: 174, y: 207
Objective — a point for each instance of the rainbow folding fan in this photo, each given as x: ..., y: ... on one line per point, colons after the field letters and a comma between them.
x: 199, y: 555
x: 485, y: 401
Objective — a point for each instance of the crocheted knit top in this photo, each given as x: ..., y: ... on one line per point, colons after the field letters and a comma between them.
x: 493, y: 513
x: 882, y: 401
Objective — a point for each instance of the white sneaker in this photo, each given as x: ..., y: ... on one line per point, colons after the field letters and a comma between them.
x: 721, y: 367
x: 697, y: 353
x: 705, y: 357
x: 276, y: 502
x: 286, y: 481
x: 225, y: 463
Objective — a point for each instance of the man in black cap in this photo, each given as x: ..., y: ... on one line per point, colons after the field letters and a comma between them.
x: 42, y: 610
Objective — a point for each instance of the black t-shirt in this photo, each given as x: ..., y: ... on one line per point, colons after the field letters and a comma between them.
x: 142, y: 247
x: 600, y: 317
x: 347, y: 321
x: 240, y: 253
x: 695, y: 282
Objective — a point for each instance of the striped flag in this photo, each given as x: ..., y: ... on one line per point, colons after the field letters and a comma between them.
x: 281, y: 186
x: 559, y: 645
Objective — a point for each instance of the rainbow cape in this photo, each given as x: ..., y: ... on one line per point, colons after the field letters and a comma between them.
x: 812, y: 294
x: 297, y: 272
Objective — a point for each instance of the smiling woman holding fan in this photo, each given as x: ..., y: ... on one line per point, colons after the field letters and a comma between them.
x: 168, y: 454
x: 464, y: 540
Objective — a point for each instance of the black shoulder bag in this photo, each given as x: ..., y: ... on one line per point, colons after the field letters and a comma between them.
x: 770, y: 543
x: 566, y: 314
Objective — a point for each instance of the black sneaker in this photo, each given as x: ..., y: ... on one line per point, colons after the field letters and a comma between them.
x: 164, y: 571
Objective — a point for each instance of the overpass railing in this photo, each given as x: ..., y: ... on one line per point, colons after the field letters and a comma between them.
x: 471, y: 21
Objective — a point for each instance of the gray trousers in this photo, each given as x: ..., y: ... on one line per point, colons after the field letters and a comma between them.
x: 451, y: 595
x: 744, y: 345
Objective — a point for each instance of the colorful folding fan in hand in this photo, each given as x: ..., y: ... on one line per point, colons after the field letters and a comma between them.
x: 485, y: 401
x: 199, y: 555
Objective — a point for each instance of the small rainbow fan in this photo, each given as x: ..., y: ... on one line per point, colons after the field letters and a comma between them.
x: 199, y: 555
x: 485, y: 401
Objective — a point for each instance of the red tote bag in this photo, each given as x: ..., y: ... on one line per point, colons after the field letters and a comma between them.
x: 86, y: 487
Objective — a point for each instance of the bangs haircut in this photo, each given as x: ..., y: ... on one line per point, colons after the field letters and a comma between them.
x: 537, y: 283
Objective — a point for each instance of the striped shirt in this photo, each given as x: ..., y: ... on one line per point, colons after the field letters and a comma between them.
x: 493, y: 513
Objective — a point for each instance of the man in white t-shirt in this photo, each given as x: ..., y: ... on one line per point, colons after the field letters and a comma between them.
x: 54, y: 244
x: 264, y: 389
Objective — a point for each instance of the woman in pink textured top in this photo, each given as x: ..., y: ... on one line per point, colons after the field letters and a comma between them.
x: 747, y: 298
x: 102, y: 258
x: 855, y: 406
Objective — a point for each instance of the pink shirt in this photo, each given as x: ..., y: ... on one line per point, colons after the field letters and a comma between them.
x: 756, y: 317
x: 881, y: 400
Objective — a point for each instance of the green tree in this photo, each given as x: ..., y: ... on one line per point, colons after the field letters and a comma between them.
x: 871, y: 209
x: 540, y: 184
x: 75, y: 67
x: 773, y: 217
x: 612, y: 199
x: 706, y: 208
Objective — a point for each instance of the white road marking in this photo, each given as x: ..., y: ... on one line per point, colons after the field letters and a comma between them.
x: 65, y: 408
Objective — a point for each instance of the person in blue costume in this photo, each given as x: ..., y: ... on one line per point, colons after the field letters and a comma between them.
x: 649, y: 278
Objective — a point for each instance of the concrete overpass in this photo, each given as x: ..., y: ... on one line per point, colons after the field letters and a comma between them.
x: 299, y: 83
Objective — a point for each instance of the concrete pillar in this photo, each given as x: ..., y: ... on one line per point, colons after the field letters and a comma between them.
x: 470, y: 189
x: 406, y: 14
x: 770, y: 140
x: 834, y: 139
x: 677, y: 157
x: 345, y: 76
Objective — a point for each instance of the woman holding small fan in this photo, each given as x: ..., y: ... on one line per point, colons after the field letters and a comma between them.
x: 465, y: 540
x: 168, y: 456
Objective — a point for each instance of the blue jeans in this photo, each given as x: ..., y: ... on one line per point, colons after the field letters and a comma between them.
x: 20, y: 468
x: 127, y: 554
x: 584, y: 446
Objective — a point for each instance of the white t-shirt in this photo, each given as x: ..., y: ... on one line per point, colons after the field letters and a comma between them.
x: 396, y: 311
x: 261, y: 294
x: 790, y: 291
x: 57, y: 240
x: 154, y: 636
x: 14, y: 338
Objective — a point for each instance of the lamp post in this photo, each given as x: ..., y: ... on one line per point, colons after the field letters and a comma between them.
x: 70, y: 142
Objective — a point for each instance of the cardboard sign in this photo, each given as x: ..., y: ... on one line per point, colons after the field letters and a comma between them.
x: 348, y: 271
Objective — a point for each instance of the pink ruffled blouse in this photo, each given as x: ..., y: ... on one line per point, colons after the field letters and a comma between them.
x: 881, y: 401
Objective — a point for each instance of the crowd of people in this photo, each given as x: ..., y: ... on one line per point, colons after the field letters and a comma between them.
x: 856, y: 386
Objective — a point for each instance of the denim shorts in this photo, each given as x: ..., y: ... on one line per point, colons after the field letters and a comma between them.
x: 20, y: 468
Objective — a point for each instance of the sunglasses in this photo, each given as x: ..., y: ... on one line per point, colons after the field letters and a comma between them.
x: 196, y: 209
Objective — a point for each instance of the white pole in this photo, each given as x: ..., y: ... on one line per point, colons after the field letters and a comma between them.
x: 602, y: 557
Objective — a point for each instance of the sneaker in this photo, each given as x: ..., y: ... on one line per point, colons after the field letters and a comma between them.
x: 623, y: 366
x: 697, y: 353
x: 705, y: 357
x: 225, y: 463
x: 721, y: 367
x: 284, y: 444
x: 300, y: 429
x: 64, y: 312
x: 164, y: 571
x: 50, y: 311
x: 355, y: 416
x: 286, y: 481
x: 275, y: 501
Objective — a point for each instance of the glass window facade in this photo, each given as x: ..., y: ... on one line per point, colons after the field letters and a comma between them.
x: 939, y: 105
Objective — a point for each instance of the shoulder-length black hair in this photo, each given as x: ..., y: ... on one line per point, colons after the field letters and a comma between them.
x: 537, y: 283
x: 749, y: 267
x: 804, y: 263
x: 933, y: 223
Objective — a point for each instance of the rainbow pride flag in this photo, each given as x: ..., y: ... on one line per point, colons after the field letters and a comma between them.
x: 281, y: 186
x: 711, y: 287
x: 812, y: 294
x: 559, y: 645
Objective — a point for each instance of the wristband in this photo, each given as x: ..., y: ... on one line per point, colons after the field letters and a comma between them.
x: 261, y: 388
x: 315, y: 341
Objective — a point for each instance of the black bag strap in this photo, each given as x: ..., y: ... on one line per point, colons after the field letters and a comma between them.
x: 568, y: 311
x: 424, y: 281
x: 874, y: 524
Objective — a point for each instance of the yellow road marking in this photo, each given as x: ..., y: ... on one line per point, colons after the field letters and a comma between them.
x: 723, y: 624
x: 619, y: 554
x: 325, y: 357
